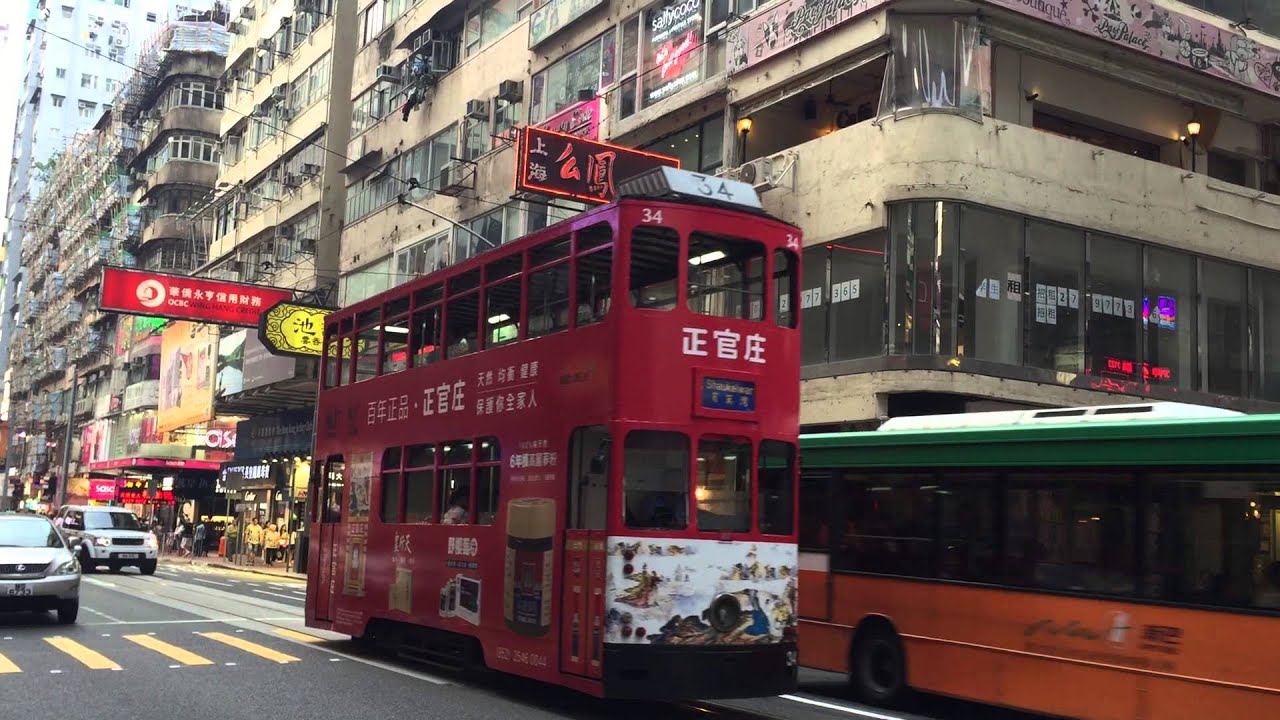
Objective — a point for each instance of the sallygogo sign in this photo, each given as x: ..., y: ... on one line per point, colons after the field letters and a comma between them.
x: 177, y: 297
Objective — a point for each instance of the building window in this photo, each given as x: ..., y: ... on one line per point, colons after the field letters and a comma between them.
x: 1055, y: 263
x: 485, y: 22
x: 475, y: 137
x: 1169, y: 318
x: 699, y: 147
x: 505, y: 116
x: 151, y: 17
x: 579, y: 76
x: 855, y: 294
x: 61, y: 72
x: 58, y: 100
x: 1225, y: 334
x: 366, y: 282
x: 67, y: 11
x: 88, y: 81
x: 194, y: 94
x: 1114, y: 330
x: 814, y: 309
x: 422, y: 258
x: 991, y: 282
x: 87, y: 109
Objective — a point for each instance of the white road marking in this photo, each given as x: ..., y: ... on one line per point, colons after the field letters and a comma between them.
x: 99, y: 613
x: 212, y: 582
x: 55, y: 672
x: 231, y: 664
x: 163, y: 622
x: 279, y: 595
x: 842, y: 708
x: 96, y: 581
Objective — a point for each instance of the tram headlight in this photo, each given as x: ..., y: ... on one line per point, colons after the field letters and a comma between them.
x: 725, y: 613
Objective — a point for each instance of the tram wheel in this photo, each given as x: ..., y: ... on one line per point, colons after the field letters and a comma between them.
x: 878, y: 665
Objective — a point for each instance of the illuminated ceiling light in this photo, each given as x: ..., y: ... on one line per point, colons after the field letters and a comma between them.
x: 499, y: 318
x: 712, y: 256
x: 397, y: 330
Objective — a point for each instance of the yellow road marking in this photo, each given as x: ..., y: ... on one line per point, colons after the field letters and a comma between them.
x: 173, y: 652
x: 7, y: 666
x: 252, y: 648
x: 89, y: 658
x: 295, y: 635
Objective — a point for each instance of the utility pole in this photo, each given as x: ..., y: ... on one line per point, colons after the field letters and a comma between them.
x: 61, y: 494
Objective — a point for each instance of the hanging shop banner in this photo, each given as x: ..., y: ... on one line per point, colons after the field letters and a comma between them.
x: 552, y: 163
x: 554, y: 16
x: 787, y: 25
x: 155, y: 463
x: 188, y: 365
x: 134, y: 292
x: 581, y: 119
x: 291, y: 328
x: 231, y: 364
x: 288, y: 433
x: 673, y: 34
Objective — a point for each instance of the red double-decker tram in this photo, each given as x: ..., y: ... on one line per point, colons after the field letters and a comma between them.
x: 573, y: 457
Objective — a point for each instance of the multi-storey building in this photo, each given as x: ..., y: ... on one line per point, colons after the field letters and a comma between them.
x: 1004, y: 203
x: 78, y: 58
x: 125, y: 193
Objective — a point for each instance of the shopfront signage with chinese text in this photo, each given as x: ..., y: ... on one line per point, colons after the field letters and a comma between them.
x: 554, y: 16
x: 581, y: 119
x: 291, y: 328
x: 552, y: 163
x: 288, y: 433
x: 177, y: 297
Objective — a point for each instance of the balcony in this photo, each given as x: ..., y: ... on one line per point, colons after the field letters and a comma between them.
x: 184, y: 118
x: 175, y: 227
x: 1012, y: 167
x: 181, y: 172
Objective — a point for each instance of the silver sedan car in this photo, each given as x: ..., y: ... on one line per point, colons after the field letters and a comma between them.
x: 38, y: 570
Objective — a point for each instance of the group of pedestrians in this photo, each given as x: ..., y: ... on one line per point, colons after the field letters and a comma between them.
x: 267, y: 543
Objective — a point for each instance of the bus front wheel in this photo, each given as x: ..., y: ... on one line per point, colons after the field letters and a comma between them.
x: 878, y: 664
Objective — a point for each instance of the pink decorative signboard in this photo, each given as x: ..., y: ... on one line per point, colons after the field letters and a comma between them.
x: 1142, y: 25
x: 581, y: 119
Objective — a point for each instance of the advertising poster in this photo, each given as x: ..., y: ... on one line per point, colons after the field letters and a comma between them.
x: 231, y: 364
x: 188, y: 362
x: 673, y: 32
x: 261, y: 367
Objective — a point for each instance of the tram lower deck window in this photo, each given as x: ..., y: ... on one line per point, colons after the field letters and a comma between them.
x: 655, y: 474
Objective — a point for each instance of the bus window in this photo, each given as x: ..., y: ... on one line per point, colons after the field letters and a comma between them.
x: 967, y: 523
x: 390, y: 507
x: 424, y: 336
x: 419, y: 483
x: 784, y: 288
x: 886, y: 524
x: 815, y: 510
x: 594, y: 271
x: 726, y: 277
x: 724, y: 485
x: 502, y: 313
x: 455, y: 482
x: 655, y: 267
x: 488, y: 478
x: 549, y: 300
x: 589, y: 478
x: 367, y: 337
x: 655, y: 480
x: 777, y: 468
x: 462, y: 318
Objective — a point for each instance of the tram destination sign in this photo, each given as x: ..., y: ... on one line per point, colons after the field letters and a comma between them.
x: 561, y: 165
x: 178, y: 297
x: 732, y: 395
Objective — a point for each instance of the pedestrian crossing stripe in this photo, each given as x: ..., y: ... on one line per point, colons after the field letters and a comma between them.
x: 91, y: 659
x: 295, y: 635
x: 173, y: 652
x: 7, y: 666
x: 252, y: 648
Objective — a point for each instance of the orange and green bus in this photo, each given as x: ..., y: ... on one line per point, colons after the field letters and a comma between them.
x: 1100, y: 564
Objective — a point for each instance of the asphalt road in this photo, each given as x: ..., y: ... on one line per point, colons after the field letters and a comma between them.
x: 209, y: 642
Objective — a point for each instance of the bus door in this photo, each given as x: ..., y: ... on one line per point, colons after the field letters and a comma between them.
x: 326, y: 529
x: 582, y: 606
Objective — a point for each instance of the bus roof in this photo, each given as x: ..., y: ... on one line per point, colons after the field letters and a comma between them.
x: 1089, y: 413
x: 1215, y: 441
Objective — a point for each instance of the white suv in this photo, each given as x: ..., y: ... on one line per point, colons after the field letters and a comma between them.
x: 110, y: 536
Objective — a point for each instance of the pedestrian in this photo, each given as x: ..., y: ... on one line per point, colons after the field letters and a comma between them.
x: 253, y: 536
x: 271, y: 543
x: 284, y: 545
x: 199, y: 536
x: 231, y: 532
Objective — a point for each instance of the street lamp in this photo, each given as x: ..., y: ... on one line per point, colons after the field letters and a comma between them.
x: 744, y: 128
x: 1193, y: 132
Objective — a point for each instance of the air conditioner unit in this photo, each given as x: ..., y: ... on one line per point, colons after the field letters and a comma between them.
x: 259, y: 111
x: 285, y: 232
x: 389, y: 73
x: 285, y: 113
x: 291, y: 181
x: 511, y: 91
x: 266, y: 44
x: 246, y: 12
x: 310, y: 169
x: 478, y: 109
x: 116, y: 40
x: 279, y: 93
x: 235, y: 28
x: 759, y: 173
x: 453, y: 179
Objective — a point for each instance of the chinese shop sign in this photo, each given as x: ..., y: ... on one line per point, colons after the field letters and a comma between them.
x: 674, y: 32
x: 581, y: 119
x: 289, y: 328
x: 552, y: 163
x: 134, y: 292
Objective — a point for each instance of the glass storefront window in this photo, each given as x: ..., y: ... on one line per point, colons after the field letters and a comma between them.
x: 1169, y: 319
x: 1222, y: 295
x: 814, y: 310
x: 1114, y: 332
x: 1055, y: 267
x: 991, y: 284
x: 856, y: 291
x: 1265, y: 307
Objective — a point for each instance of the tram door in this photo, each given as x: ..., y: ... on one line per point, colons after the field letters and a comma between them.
x: 583, y: 604
x: 329, y: 515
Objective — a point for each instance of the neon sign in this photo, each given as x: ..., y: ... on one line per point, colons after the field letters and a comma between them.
x: 1149, y: 372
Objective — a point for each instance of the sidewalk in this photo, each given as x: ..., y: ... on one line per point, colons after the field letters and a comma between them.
x: 225, y: 564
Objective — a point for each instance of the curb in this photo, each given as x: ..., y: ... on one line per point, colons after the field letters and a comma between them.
x: 229, y: 566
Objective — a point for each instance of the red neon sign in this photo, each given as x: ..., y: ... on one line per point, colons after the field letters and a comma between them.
x: 553, y: 163
x: 166, y: 463
x: 1149, y: 372
x: 133, y: 292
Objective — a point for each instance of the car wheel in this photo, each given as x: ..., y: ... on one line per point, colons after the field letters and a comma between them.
x: 67, y: 611
x: 86, y: 563
x: 148, y: 567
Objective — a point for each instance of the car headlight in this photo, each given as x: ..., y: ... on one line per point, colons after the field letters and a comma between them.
x: 102, y: 541
x: 151, y: 542
x: 70, y: 567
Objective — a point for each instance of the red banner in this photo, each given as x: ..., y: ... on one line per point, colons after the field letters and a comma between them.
x: 172, y: 464
x: 102, y: 490
x: 178, y: 297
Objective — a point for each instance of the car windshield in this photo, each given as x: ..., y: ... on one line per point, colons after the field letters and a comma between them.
x: 29, y: 532
x: 100, y: 520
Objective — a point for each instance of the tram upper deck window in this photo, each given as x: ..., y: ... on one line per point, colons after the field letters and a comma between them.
x: 655, y: 480
x: 655, y: 268
x: 726, y: 277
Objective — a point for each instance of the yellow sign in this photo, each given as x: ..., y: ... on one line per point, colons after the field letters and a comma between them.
x: 288, y: 328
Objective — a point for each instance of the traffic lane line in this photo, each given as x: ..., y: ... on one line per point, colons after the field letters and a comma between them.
x: 843, y: 708
x: 290, y: 598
